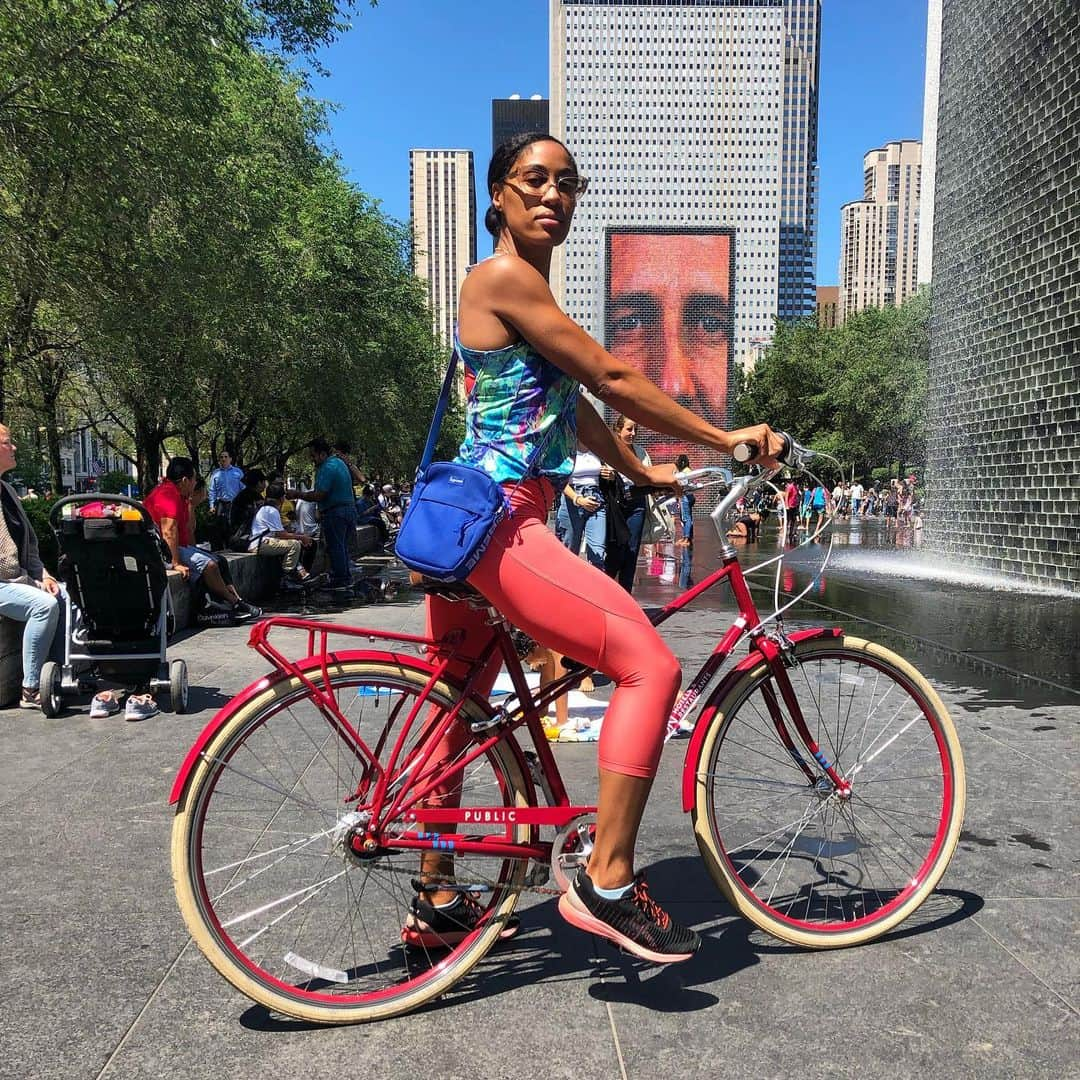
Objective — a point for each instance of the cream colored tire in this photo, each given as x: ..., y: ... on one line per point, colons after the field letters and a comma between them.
x: 197, y: 909
x: 846, y: 832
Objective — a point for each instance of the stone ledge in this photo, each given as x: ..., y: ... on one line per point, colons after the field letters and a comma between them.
x: 255, y: 576
x: 10, y: 660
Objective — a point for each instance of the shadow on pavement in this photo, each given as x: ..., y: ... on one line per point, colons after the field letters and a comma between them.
x: 548, y: 951
x: 942, y: 908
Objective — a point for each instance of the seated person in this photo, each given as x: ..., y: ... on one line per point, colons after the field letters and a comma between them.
x: 28, y: 592
x: 243, y: 509
x: 390, y: 505
x: 368, y: 512
x: 746, y: 526
x: 169, y: 505
x: 305, y: 522
x: 269, y: 537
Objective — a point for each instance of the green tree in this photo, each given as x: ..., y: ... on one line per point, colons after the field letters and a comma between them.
x: 104, y: 107
x: 857, y: 392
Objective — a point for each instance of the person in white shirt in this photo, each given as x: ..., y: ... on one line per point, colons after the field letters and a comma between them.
x: 307, y: 514
x: 269, y: 536
x: 856, y: 498
x: 581, y: 512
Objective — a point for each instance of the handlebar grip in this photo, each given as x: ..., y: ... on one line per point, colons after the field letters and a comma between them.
x: 789, y: 444
x: 790, y: 454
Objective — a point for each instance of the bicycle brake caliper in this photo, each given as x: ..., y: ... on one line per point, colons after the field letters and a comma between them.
x: 784, y: 645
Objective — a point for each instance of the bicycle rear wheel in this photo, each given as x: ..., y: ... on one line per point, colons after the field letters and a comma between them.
x: 804, y: 861
x: 270, y: 888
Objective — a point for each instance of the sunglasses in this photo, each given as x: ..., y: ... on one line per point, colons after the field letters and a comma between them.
x: 536, y: 182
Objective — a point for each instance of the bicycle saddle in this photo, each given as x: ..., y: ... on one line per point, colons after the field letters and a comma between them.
x: 449, y: 590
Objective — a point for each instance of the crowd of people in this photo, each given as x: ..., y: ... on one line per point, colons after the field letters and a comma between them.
x: 262, y: 514
x: 894, y: 503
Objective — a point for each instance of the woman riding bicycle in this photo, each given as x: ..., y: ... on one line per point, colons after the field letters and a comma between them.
x: 524, y: 417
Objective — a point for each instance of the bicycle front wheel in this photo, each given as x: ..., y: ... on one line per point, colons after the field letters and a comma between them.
x: 270, y: 886
x: 806, y: 861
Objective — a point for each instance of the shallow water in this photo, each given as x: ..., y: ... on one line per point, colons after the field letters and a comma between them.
x: 1003, y: 640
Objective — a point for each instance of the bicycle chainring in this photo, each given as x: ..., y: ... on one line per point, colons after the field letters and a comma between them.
x: 571, y: 849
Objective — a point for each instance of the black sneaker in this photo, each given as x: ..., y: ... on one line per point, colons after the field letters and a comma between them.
x: 29, y: 699
x: 635, y: 923
x: 431, y: 927
x: 244, y: 611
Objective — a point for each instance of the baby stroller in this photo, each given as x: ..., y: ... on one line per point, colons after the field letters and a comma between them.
x: 119, y: 612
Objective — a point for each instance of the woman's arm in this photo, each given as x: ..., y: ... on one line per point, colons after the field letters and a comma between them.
x: 170, y: 533
x: 517, y: 294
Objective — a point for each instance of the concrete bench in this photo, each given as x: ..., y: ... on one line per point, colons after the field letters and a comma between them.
x: 11, y: 632
x: 255, y: 577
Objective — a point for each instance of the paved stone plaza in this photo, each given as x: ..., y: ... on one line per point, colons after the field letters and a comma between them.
x: 99, y: 977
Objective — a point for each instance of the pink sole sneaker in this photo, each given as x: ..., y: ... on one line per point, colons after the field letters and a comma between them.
x: 585, y: 920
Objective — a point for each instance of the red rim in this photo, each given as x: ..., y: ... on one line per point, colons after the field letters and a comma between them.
x: 264, y: 977
x: 940, y: 835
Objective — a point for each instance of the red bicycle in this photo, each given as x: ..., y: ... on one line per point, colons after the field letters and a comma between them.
x: 823, y: 777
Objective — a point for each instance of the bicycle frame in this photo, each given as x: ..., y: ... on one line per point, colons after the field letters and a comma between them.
x: 396, y: 801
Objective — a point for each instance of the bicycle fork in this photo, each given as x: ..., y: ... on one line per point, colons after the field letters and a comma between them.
x: 780, y: 656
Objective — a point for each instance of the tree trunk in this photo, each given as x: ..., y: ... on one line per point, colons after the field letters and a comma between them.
x: 52, y: 437
x: 191, y: 441
x: 148, y: 439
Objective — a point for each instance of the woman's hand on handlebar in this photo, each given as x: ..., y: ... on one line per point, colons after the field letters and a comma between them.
x: 664, y: 476
x: 769, y: 444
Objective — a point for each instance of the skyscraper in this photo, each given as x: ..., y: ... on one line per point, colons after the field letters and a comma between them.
x: 442, y: 200
x: 879, y: 234
x: 516, y: 115
x: 697, y: 121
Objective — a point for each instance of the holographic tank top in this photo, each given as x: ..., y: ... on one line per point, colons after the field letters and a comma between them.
x: 520, y: 416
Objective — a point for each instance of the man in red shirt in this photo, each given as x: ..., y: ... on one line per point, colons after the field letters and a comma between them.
x: 169, y: 506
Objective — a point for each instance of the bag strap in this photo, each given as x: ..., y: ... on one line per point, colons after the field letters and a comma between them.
x: 440, y: 412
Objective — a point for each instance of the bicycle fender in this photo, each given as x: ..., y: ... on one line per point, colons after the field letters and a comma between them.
x: 227, y: 711
x: 697, y: 740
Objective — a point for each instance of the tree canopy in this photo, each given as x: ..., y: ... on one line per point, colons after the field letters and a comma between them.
x: 181, y: 259
x: 857, y: 391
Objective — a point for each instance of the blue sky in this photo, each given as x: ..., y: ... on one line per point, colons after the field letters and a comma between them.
x: 422, y: 73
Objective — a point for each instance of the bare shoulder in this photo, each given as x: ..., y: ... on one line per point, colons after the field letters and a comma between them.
x: 505, y: 272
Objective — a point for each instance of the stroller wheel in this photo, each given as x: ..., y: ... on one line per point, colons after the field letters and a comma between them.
x: 178, y: 686
x: 52, y: 700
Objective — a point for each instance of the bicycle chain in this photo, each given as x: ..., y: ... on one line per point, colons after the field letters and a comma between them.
x: 543, y: 890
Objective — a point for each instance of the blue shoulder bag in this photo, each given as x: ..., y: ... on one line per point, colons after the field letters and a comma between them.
x: 454, y: 511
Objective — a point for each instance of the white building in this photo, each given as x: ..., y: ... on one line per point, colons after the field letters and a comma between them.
x: 692, y: 115
x: 442, y: 200
x: 879, y: 234
x: 85, y: 458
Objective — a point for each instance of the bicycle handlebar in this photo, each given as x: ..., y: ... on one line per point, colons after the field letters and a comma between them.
x: 792, y: 453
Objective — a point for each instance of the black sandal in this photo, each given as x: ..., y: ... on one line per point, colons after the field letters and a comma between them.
x: 431, y: 927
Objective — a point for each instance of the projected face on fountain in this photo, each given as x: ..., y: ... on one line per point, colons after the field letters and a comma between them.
x: 669, y: 312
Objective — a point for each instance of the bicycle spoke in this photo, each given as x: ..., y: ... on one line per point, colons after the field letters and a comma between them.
x: 311, y: 912
x: 813, y: 855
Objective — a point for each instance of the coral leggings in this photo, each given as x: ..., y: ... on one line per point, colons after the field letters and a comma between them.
x: 574, y: 608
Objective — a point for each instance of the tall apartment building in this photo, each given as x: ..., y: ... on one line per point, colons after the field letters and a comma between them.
x: 516, y: 115
x: 692, y: 116
x: 442, y: 201
x: 879, y: 234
